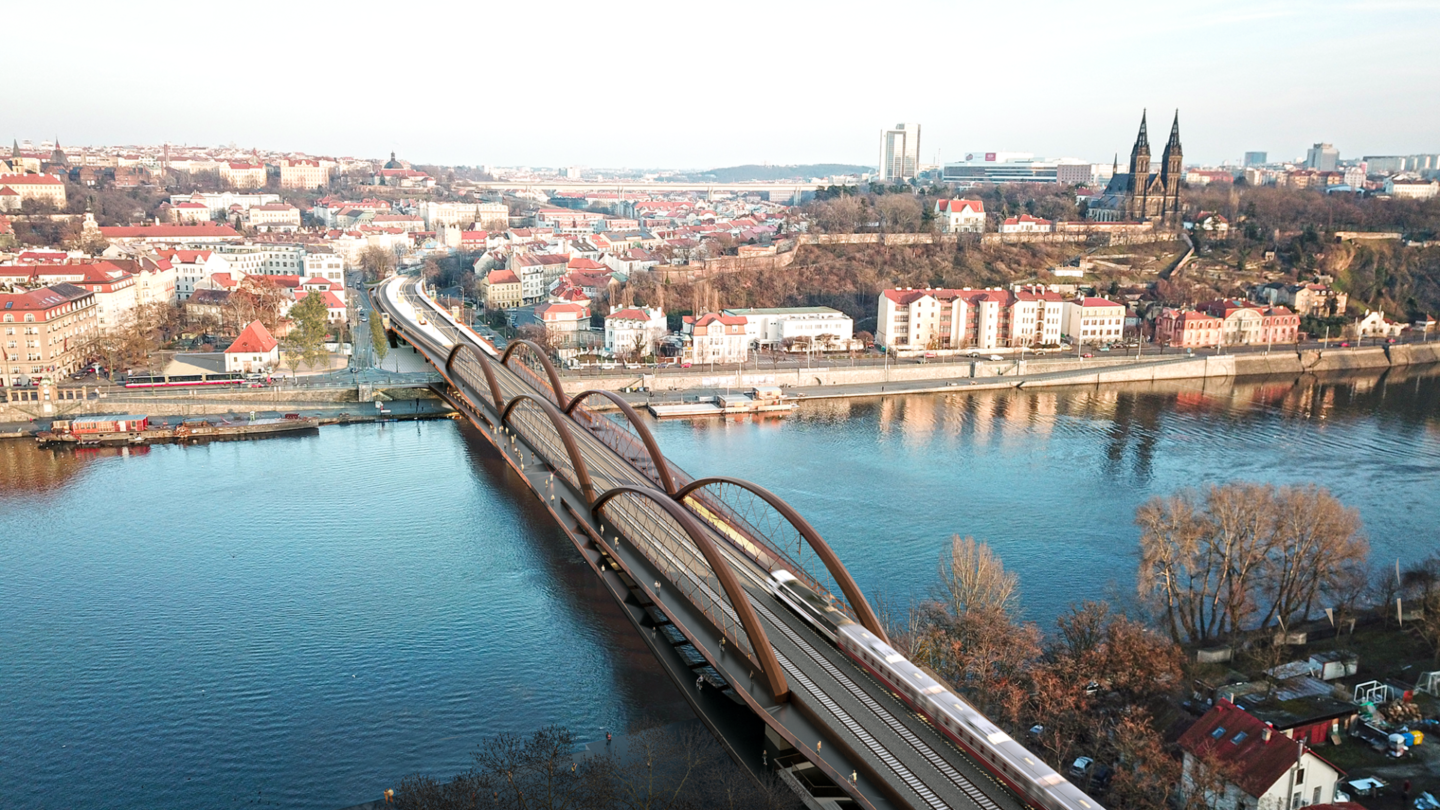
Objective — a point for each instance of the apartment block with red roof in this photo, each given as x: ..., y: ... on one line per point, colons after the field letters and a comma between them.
x: 919, y: 320
x: 1026, y: 224
x: 47, y: 331
x: 634, y: 330
x: 114, y: 289
x: 1242, y: 763
x: 563, y: 321
x: 24, y: 187
x: 243, y: 175
x: 1248, y: 324
x: 500, y: 289
x: 1187, y: 329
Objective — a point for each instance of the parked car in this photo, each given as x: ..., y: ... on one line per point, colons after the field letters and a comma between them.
x: 1081, y: 766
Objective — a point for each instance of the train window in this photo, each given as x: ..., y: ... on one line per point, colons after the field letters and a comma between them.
x: 894, y: 658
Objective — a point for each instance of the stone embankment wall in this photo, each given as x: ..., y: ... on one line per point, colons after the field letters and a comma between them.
x: 1029, y: 373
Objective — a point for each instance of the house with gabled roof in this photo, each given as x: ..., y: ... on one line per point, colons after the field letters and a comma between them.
x: 1242, y: 763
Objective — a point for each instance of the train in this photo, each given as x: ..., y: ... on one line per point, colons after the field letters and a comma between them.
x: 952, y: 715
x: 183, y: 380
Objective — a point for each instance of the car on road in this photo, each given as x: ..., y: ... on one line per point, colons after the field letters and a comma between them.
x: 1087, y: 354
x: 996, y: 357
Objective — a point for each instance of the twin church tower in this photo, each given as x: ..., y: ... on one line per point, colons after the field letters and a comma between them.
x: 1139, y: 194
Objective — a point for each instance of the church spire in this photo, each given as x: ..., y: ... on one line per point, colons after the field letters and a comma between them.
x: 1143, y: 139
x: 1174, y: 133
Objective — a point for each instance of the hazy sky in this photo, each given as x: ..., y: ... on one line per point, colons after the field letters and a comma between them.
x: 696, y: 85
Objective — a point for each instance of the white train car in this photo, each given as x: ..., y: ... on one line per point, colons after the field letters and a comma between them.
x: 995, y: 750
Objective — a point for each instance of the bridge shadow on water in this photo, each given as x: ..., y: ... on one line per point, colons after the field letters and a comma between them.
x: 648, y: 694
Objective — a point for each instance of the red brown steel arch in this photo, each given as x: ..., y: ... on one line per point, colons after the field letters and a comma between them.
x: 662, y: 467
x: 739, y: 599
x: 484, y: 366
x: 562, y: 426
x: 550, y: 372
x: 817, y: 543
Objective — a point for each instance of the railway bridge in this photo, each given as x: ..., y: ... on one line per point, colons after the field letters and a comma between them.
x: 686, y: 558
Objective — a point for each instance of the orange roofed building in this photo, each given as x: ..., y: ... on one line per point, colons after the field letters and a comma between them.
x: 255, y: 351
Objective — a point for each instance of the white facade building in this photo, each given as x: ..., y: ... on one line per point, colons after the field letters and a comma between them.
x: 1412, y: 189
x: 716, y: 338
x: 192, y: 266
x: 770, y: 327
x: 1094, y: 320
x: 960, y: 216
x: 634, y: 330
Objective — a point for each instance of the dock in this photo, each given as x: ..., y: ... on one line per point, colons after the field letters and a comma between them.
x: 761, y: 399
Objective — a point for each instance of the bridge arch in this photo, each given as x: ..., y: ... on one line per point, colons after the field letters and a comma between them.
x: 556, y: 389
x: 484, y: 363
x: 567, y: 439
x: 763, y: 653
x: 837, y: 571
x: 661, y: 473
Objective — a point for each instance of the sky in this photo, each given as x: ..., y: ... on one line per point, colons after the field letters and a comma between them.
x: 699, y: 85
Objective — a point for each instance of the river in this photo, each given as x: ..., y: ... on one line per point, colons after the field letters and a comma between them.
x: 297, y: 622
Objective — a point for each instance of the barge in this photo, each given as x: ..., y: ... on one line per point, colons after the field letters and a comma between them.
x: 129, y: 429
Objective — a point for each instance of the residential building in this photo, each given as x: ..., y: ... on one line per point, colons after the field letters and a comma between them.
x: 191, y: 266
x: 321, y: 261
x: 1026, y: 224
x: 1375, y: 324
x: 114, y: 289
x: 1209, y: 223
x: 1411, y: 189
x: 255, y: 351
x: 960, y: 216
x: 222, y: 202
x: 335, y: 310
x: 304, y: 174
x: 563, y: 321
x: 45, y: 332
x: 16, y: 189
x: 501, y: 289
x: 900, y: 153
x: 273, y: 217
x: 1308, y: 299
x: 912, y: 321
x: 1093, y: 320
x: 189, y: 213
x: 1239, y: 762
x: 1183, y: 328
x: 1322, y: 157
x: 1036, y: 317
x: 634, y: 331
x: 1248, y: 324
x: 716, y: 338
x: 817, y: 327
x: 243, y: 175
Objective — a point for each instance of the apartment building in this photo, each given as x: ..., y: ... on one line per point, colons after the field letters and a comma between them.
x: 45, y: 332
x: 304, y: 174
x: 913, y: 321
x: 274, y: 216
x: 15, y: 189
x: 114, y: 291
x: 634, y: 330
x: 243, y: 175
x: 191, y: 266
x: 1089, y: 319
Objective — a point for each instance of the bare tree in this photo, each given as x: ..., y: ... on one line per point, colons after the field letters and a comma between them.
x: 974, y: 578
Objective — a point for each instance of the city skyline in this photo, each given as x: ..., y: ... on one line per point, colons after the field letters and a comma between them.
x: 1245, y: 77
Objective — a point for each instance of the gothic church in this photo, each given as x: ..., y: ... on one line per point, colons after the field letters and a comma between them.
x: 1139, y: 195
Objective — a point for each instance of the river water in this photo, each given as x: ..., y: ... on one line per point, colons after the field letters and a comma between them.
x: 298, y: 622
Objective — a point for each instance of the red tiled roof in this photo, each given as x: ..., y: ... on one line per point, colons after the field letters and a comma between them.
x: 1257, y: 763
x: 956, y: 206
x: 254, y: 339
x: 502, y: 277
x: 29, y: 180
x: 628, y: 314
x: 168, y: 231
x: 1091, y: 301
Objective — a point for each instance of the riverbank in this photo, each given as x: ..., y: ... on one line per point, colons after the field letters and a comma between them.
x: 845, y: 382
x: 321, y: 412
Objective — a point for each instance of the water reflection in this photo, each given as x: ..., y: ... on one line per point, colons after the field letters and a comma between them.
x: 1052, y: 477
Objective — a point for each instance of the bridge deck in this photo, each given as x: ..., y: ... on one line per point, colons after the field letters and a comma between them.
x: 876, y: 733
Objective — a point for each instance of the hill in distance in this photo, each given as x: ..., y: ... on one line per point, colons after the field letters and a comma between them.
x: 753, y: 172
